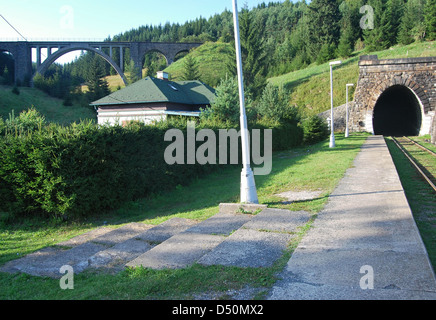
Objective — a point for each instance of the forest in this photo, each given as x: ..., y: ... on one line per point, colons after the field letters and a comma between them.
x: 276, y: 38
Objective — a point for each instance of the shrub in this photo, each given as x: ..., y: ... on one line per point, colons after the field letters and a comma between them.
x: 82, y: 169
x: 285, y: 135
x: 315, y: 129
x: 29, y: 120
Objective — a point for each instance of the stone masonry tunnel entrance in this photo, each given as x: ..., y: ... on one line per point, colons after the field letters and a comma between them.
x: 397, y: 112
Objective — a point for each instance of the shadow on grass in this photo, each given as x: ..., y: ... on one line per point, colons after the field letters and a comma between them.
x: 201, y: 198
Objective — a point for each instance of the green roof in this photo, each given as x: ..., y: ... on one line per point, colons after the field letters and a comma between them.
x: 151, y: 90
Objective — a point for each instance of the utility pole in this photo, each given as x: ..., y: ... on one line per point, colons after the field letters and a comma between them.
x: 332, y: 125
x: 346, y: 124
x: 248, y: 186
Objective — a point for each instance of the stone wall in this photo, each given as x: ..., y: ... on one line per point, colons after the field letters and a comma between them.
x: 339, y: 115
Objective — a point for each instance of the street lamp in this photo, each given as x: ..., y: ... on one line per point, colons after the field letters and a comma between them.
x: 346, y: 129
x: 332, y: 135
x: 248, y: 186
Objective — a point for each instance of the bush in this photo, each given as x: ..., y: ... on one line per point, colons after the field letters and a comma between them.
x: 315, y: 130
x: 285, y: 135
x: 81, y: 169
x: 29, y: 120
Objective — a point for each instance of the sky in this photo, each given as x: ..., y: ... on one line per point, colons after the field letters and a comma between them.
x: 95, y: 20
x: 98, y: 19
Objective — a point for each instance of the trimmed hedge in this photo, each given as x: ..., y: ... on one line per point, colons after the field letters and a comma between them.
x: 82, y: 169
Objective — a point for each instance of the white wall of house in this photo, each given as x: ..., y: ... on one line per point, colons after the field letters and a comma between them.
x: 107, y: 117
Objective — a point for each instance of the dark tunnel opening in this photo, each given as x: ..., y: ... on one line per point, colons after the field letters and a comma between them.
x: 397, y: 113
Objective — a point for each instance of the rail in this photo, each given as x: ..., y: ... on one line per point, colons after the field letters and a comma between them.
x: 414, y: 163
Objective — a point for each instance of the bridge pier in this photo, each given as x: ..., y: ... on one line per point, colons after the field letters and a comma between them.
x: 38, y: 56
x: 121, y: 59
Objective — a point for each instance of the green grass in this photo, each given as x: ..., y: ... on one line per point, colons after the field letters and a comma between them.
x: 309, y: 168
x: 211, y: 58
x: 51, y: 108
x: 420, y: 197
x: 425, y: 141
x: 310, y: 87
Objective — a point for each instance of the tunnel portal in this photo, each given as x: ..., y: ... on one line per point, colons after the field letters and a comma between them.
x: 397, y: 112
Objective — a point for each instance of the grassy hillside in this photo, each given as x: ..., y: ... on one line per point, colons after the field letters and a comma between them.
x: 52, y: 108
x: 310, y: 87
x: 211, y: 58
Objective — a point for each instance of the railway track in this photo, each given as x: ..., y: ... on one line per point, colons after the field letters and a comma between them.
x: 409, y: 148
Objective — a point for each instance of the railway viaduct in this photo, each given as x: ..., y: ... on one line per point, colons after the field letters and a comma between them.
x: 22, y: 53
x: 395, y: 97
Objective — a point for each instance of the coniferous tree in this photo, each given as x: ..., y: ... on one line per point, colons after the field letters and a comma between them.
x: 430, y: 20
x: 97, y: 86
x: 323, y: 29
x: 273, y: 104
x: 390, y: 22
x: 225, y: 108
x: 412, y: 25
x: 253, y: 54
x: 6, y: 76
x: 190, y: 69
x: 373, y: 38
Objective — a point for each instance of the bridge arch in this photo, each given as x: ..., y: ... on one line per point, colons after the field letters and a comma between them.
x: 10, y: 64
x: 154, y: 51
x: 59, y: 53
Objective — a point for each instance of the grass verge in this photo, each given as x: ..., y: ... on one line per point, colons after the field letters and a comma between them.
x: 308, y: 168
x: 51, y: 108
x: 421, y: 199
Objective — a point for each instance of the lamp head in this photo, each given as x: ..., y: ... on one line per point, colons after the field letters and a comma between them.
x: 335, y: 63
x: 350, y: 84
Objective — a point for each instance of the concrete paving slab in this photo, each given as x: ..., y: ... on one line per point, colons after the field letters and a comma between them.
x: 293, y: 196
x: 307, y: 291
x: 85, y: 237
x: 48, y: 261
x: 115, y: 257
x: 248, y: 248
x: 340, y: 267
x: 367, y: 222
x: 279, y: 220
x: 179, y: 251
x: 365, y: 237
x: 221, y: 223
x: 166, y: 230
x: 241, y: 207
x: 122, y: 233
x: 26, y: 262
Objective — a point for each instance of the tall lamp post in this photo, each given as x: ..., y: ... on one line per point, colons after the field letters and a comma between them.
x: 346, y: 124
x: 332, y: 126
x: 248, y: 186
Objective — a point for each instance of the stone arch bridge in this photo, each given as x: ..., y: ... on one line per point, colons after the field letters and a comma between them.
x: 395, y: 96
x: 22, y: 53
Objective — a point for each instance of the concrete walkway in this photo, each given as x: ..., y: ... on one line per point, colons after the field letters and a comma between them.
x: 364, y: 244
